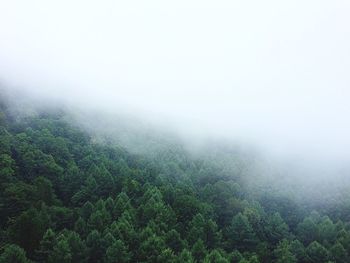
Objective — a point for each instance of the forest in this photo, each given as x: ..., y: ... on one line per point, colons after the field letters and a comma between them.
x: 66, y: 196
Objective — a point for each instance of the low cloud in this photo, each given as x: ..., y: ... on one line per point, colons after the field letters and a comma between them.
x: 272, y: 74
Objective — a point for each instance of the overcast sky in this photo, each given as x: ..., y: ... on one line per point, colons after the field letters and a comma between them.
x: 276, y: 73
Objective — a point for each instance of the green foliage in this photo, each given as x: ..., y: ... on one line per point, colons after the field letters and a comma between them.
x: 283, y: 253
x: 117, y: 252
x: 241, y: 234
x: 339, y: 254
x: 66, y: 198
x: 186, y: 256
x: 13, y: 254
x: 61, y: 252
x: 307, y: 231
x: 215, y: 257
x: 199, y: 250
x: 317, y: 253
x: 28, y: 229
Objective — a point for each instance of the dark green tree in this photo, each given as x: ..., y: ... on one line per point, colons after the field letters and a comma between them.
x: 46, y: 245
x: 186, y: 257
x: 215, y: 257
x: 307, y: 231
x: 61, y: 252
x: 316, y: 253
x: 283, y: 253
x: 13, y: 254
x: 117, y: 252
x: 241, y: 234
x: 199, y: 250
x: 339, y: 254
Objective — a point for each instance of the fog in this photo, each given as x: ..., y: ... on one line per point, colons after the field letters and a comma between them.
x: 273, y: 74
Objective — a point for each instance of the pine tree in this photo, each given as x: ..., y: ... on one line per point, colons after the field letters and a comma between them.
x: 215, y: 257
x: 316, y: 253
x: 117, y: 252
x: 339, y: 254
x: 199, y: 250
x: 61, y: 252
x: 241, y: 233
x: 46, y: 245
x: 13, y: 254
x: 186, y: 257
x: 283, y: 253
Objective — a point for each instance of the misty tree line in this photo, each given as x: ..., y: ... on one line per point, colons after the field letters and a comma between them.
x: 64, y: 198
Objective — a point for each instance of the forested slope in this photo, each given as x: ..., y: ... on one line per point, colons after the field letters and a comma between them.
x: 66, y: 198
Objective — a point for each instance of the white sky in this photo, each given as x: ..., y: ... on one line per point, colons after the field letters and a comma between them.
x: 276, y: 73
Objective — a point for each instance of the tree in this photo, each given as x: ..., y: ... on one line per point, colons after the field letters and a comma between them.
x: 96, y: 247
x: 151, y: 248
x: 77, y: 247
x: 109, y: 239
x: 343, y: 238
x: 186, y: 207
x: 207, y: 230
x: 326, y: 230
x: 61, y: 252
x: 44, y: 191
x: 13, y: 254
x: 283, y: 253
x: 7, y: 168
x: 317, y: 253
x: 339, y: 254
x: 121, y: 204
x: 263, y: 251
x: 241, y: 233
x: 298, y: 249
x: 174, y: 241
x: 185, y: 257
x: 277, y: 229
x: 99, y: 219
x: 117, y: 252
x: 215, y: 257
x: 307, y: 231
x: 154, y: 208
x: 256, y: 217
x: 236, y: 256
x: 123, y: 229
x: 167, y: 256
x: 87, y: 210
x: 46, y: 245
x: 198, y: 250
x: 80, y: 227
x: 28, y: 229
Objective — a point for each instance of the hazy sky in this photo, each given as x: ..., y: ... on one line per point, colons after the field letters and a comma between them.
x: 272, y: 72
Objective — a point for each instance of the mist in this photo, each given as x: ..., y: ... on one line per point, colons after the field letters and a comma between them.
x: 272, y: 74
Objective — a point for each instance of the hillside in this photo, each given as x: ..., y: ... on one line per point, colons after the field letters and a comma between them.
x: 69, y: 196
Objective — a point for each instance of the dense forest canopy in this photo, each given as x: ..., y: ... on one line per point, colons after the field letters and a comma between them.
x: 70, y: 194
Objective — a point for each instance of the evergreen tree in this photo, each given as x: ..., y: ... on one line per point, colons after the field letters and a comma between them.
x: 307, y: 231
x: 117, y: 252
x: 283, y: 253
x: 339, y: 254
x: 186, y: 257
x: 215, y: 257
x: 61, y: 252
x: 174, y: 241
x: 13, y: 254
x: 46, y: 245
x: 199, y: 250
x: 96, y: 246
x: 241, y: 234
x: 77, y: 247
x: 317, y: 253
